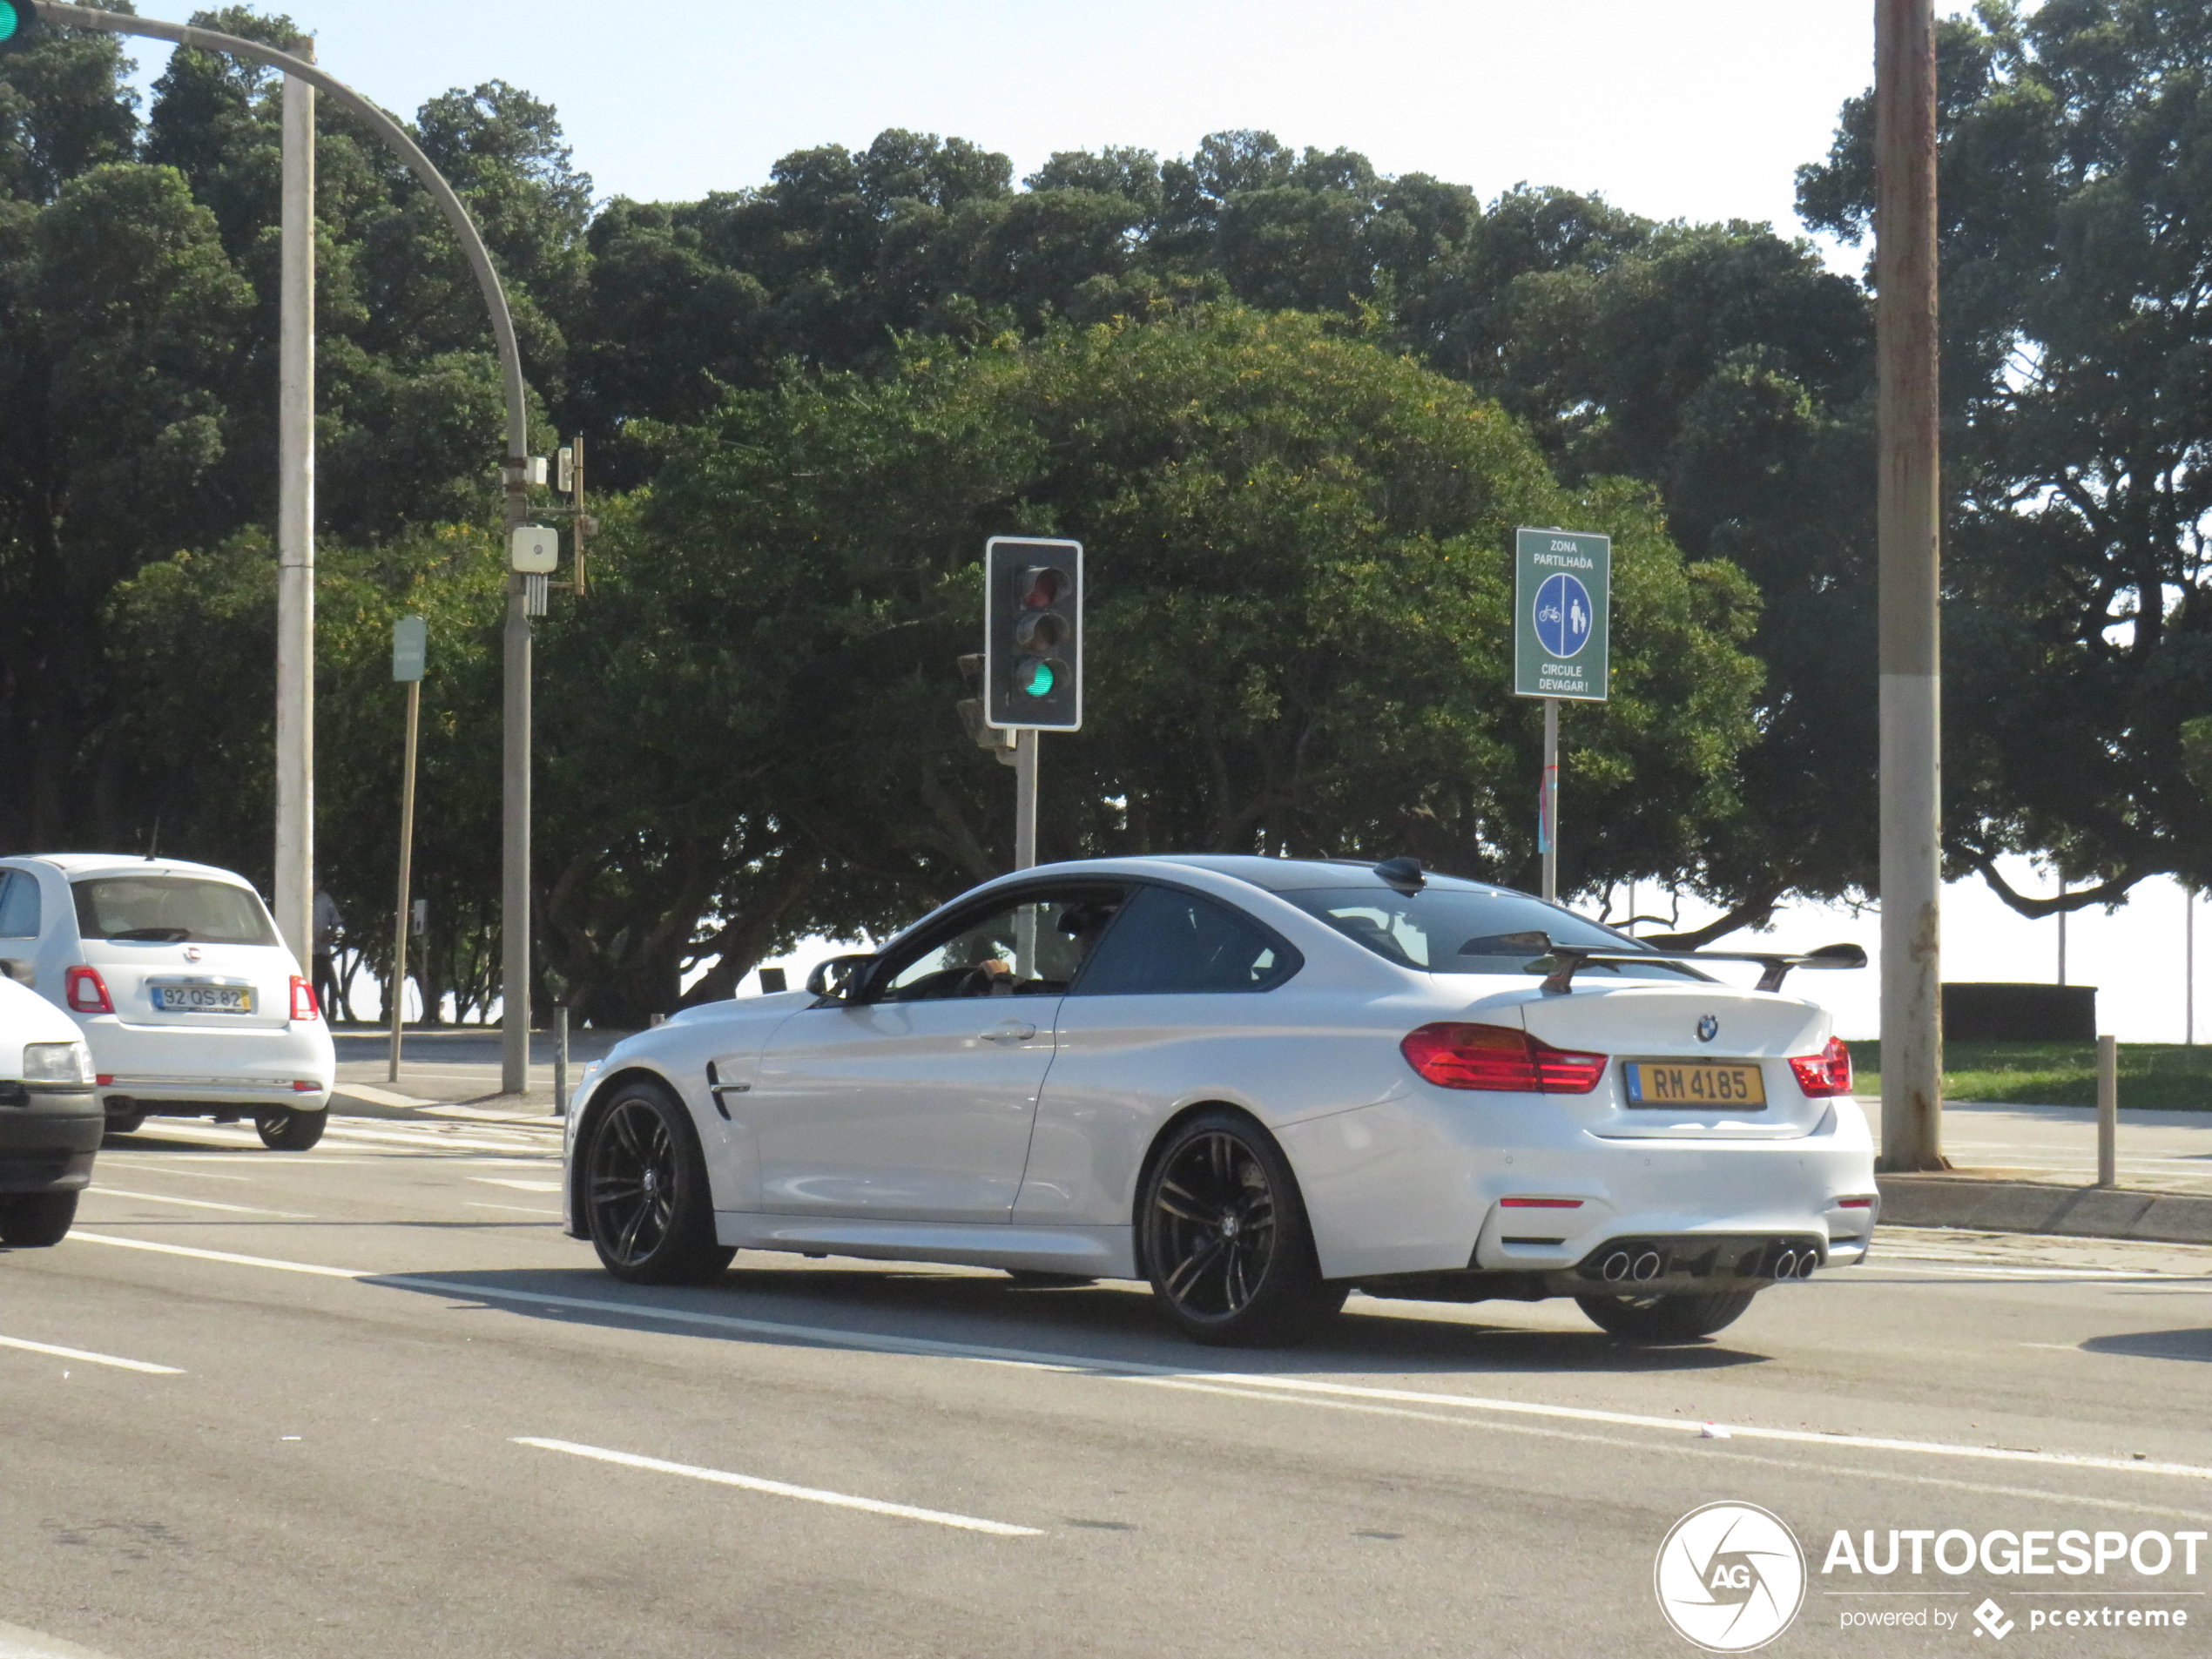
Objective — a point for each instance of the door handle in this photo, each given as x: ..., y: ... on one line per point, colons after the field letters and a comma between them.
x: 1009, y: 1031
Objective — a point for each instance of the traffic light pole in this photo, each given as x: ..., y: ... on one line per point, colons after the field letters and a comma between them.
x: 515, y: 919
x: 1025, y: 797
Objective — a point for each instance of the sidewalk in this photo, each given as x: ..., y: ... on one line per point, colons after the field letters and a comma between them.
x: 2034, y: 1169
x: 452, y: 1073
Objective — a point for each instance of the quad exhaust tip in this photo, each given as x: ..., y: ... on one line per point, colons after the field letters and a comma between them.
x: 1648, y: 1265
x: 1806, y: 1262
x: 1615, y: 1267
x: 1785, y: 1264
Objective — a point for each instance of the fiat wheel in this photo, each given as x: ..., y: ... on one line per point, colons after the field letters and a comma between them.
x: 1226, y: 1244
x: 646, y: 1200
x: 290, y: 1131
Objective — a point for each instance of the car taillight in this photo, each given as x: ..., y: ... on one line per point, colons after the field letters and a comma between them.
x: 1825, y: 1073
x: 87, y: 991
x: 1498, y: 1057
x: 303, y: 1000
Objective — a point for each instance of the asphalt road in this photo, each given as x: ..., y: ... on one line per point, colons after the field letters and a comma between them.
x: 368, y: 1400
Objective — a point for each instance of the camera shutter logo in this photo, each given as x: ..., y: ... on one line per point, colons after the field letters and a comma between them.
x: 1730, y: 1577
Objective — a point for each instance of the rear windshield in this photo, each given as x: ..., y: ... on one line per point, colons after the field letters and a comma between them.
x: 170, y: 909
x: 1442, y: 930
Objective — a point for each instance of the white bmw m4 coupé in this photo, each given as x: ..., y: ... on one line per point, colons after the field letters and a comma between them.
x: 1259, y: 1084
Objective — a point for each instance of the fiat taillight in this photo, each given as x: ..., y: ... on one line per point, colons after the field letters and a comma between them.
x: 303, y: 1000
x: 87, y: 991
x: 1825, y: 1073
x: 1497, y: 1057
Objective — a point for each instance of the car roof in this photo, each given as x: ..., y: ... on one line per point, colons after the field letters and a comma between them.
x: 1302, y: 875
x: 73, y: 865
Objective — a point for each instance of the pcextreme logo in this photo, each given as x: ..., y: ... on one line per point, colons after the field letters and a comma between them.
x: 1730, y: 1577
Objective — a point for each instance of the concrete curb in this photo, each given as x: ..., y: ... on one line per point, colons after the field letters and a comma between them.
x: 1997, y: 1203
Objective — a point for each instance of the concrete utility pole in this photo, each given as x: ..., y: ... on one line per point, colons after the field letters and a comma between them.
x: 515, y: 921
x: 295, y: 711
x: 1909, y: 518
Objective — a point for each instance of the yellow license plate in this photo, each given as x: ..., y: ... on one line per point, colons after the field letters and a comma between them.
x: 1711, y: 1085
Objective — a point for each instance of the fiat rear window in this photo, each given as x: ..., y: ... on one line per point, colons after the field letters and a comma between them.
x: 169, y: 910
x: 1444, y: 930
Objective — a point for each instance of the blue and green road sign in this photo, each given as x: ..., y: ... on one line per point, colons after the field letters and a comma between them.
x: 1562, y: 604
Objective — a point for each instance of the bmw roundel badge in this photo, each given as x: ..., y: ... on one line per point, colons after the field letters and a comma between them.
x: 1707, y: 1028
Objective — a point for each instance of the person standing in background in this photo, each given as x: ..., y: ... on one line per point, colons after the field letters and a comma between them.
x: 329, y: 925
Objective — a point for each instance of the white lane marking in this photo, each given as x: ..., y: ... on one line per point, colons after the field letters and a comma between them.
x: 2055, y: 1347
x: 15, y: 1642
x: 225, y: 1135
x: 513, y: 1209
x: 79, y: 1236
x: 783, y: 1489
x: 519, y: 1186
x: 2030, y: 1275
x: 1695, y: 1449
x: 89, y: 1357
x: 194, y: 1203
x: 174, y: 1164
x: 1034, y: 1359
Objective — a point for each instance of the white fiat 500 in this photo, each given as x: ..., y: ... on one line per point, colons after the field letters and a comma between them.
x: 189, y: 1001
x: 1259, y: 1083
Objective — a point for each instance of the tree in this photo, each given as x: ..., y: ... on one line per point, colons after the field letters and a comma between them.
x: 2076, y: 240
x: 1297, y: 545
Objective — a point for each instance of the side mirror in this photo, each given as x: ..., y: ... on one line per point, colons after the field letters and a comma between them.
x: 837, y: 978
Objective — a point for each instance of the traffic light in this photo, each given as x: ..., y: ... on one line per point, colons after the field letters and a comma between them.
x: 19, y: 25
x: 1033, y: 634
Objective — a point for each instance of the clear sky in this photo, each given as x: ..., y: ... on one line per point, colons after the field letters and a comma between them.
x: 1699, y: 112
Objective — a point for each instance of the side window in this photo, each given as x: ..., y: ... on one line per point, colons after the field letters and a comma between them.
x: 18, y: 905
x: 1167, y: 941
x: 1028, y: 949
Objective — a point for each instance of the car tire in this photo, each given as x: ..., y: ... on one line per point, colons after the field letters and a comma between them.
x: 1227, y: 1246
x: 1680, y: 1318
x: 646, y: 1203
x: 130, y: 1125
x: 290, y: 1131
x: 34, y: 1220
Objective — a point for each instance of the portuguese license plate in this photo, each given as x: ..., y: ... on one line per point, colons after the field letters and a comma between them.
x: 204, y: 999
x: 1709, y: 1085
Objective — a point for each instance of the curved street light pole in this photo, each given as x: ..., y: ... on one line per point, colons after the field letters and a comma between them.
x: 514, y: 909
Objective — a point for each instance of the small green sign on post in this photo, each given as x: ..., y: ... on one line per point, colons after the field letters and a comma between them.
x: 410, y: 647
x: 1562, y: 623
x: 1563, y: 609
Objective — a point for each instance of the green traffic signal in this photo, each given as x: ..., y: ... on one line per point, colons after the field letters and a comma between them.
x: 1036, y: 679
x: 19, y: 21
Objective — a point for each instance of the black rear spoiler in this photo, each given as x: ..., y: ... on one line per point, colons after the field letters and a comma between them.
x: 1569, y: 960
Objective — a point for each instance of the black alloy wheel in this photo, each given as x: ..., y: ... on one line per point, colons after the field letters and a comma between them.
x: 1678, y: 1318
x: 290, y: 1131
x: 646, y: 1202
x: 1227, y: 1243
x: 34, y: 1220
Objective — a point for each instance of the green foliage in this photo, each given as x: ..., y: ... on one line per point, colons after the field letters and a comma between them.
x: 2076, y: 237
x: 1295, y: 546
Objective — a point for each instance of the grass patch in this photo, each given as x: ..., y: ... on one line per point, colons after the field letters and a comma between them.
x: 2154, y: 1075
